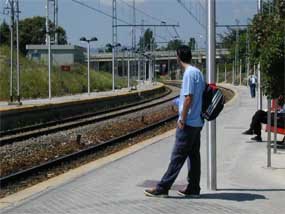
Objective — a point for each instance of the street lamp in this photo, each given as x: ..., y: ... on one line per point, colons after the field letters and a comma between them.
x: 113, y: 62
x: 83, y: 39
x: 150, y: 70
x: 128, y: 71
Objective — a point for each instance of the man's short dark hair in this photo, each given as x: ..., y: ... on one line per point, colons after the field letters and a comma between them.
x: 184, y: 54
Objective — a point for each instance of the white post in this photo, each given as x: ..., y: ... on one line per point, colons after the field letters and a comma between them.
x: 88, y: 67
x: 233, y: 73
x: 139, y: 70
x: 11, y: 50
x: 247, y: 71
x: 211, y: 126
x: 128, y: 70
x: 144, y: 69
x: 259, y: 93
x: 113, y: 67
x: 18, y: 58
x: 150, y: 70
x: 225, y: 72
x: 275, y: 128
x: 269, y: 133
x: 218, y: 72
x: 49, y: 67
x: 240, y: 66
x: 49, y: 48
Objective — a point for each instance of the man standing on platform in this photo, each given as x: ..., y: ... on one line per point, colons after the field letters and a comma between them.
x: 252, y: 80
x: 189, y: 126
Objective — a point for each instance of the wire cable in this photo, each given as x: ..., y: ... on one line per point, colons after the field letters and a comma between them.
x: 98, y: 11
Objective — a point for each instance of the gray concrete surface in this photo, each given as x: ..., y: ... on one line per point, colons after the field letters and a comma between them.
x: 245, y: 185
x: 78, y: 97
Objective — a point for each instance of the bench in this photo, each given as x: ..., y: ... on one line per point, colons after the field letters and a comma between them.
x: 271, y: 128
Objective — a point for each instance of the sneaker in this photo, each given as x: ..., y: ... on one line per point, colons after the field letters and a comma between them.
x: 189, y: 193
x: 248, y: 132
x: 156, y: 193
x: 257, y: 138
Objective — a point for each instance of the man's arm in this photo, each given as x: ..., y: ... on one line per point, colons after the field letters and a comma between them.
x: 186, y: 106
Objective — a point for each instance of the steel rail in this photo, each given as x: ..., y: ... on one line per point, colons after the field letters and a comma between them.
x: 71, y: 157
x: 72, y: 118
x: 56, y: 126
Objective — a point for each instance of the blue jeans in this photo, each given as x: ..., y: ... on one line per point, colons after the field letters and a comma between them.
x: 252, y: 90
x: 187, y: 145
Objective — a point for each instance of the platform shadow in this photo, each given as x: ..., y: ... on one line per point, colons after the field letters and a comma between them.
x: 230, y: 194
x: 233, y: 196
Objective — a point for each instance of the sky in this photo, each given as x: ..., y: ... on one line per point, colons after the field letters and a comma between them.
x: 80, y: 21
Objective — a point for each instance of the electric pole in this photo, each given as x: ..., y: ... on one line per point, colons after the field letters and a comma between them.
x: 211, y: 125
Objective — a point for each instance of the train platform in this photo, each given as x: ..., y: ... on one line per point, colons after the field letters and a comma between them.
x: 115, y: 184
x: 31, y: 103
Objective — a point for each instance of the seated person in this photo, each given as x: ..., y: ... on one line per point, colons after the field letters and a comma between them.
x: 261, y: 117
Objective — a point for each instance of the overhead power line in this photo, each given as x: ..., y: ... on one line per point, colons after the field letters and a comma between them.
x: 141, y: 11
x: 182, y: 3
x: 98, y: 11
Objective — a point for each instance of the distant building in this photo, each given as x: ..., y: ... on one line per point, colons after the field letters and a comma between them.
x: 61, y: 54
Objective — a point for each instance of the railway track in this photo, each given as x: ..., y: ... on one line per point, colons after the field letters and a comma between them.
x: 73, y: 156
x: 22, y: 174
x: 76, y: 121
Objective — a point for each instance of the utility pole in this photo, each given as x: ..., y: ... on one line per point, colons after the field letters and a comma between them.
x: 240, y: 72
x: 128, y: 69
x: 18, y: 57
x: 12, y: 21
x: 13, y: 9
x: 259, y: 91
x: 233, y: 72
x: 225, y: 72
x: 211, y: 125
x: 48, y: 43
x: 114, y: 40
x: 236, y: 51
x: 247, y: 55
x: 134, y: 42
x: 153, y: 60
x: 56, y: 21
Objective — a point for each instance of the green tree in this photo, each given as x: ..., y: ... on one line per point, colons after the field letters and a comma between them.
x: 4, y: 33
x: 174, y: 44
x: 32, y: 31
x: 108, y: 48
x: 228, y: 40
x: 268, y: 48
x: 192, y: 43
x: 147, y: 41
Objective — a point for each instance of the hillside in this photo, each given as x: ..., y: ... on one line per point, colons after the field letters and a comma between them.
x: 34, y: 78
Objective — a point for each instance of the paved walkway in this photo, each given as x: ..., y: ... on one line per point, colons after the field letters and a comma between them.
x: 245, y: 185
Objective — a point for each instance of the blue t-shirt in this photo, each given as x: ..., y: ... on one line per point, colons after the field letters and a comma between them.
x: 193, y: 84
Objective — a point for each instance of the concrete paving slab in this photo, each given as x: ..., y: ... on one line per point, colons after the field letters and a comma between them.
x: 245, y: 185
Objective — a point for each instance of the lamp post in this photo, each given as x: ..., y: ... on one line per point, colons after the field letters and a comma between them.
x: 113, y: 62
x: 128, y: 63
x: 83, y: 39
x: 211, y: 125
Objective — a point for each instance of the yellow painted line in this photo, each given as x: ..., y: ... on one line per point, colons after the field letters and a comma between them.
x: 25, y: 194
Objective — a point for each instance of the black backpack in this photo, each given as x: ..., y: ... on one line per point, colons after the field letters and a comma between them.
x: 212, y: 102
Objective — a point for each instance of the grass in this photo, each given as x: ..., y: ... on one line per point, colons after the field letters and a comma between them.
x: 34, y: 79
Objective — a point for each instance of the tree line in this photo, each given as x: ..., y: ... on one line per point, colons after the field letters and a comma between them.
x: 31, y: 31
x: 263, y: 42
